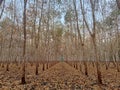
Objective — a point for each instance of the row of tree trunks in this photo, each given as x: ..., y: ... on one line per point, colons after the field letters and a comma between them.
x: 80, y: 38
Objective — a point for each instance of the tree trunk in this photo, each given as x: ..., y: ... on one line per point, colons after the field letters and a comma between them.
x: 23, y: 81
x: 80, y: 38
x: 36, y: 71
x: 97, y: 62
x: 118, y: 3
x: 43, y: 67
x: 7, y: 67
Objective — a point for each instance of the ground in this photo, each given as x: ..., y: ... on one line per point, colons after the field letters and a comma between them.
x: 61, y: 76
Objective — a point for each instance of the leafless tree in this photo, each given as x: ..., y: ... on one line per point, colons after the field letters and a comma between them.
x: 23, y: 81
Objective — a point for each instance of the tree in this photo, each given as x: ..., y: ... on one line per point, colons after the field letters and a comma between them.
x: 118, y: 3
x: 93, y: 35
x: 23, y: 81
x: 80, y: 38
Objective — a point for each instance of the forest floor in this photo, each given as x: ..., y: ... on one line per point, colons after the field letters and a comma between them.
x: 59, y: 77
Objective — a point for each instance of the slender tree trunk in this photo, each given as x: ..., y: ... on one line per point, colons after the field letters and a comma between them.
x: 43, y: 68
x: 99, y: 77
x: 7, y: 66
x: 36, y: 70
x: 23, y: 80
x: 80, y: 38
x: 118, y: 41
x: 93, y: 36
x: 38, y: 38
